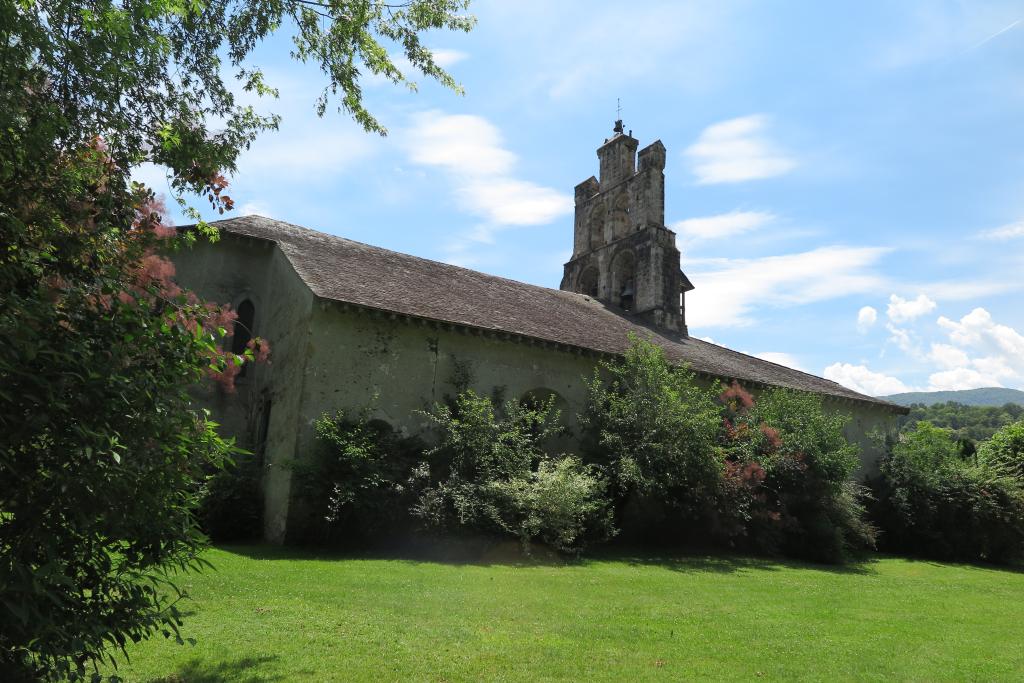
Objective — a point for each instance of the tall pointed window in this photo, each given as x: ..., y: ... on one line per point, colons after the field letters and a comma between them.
x: 242, y: 332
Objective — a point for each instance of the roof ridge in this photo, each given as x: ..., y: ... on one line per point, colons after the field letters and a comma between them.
x: 402, y: 254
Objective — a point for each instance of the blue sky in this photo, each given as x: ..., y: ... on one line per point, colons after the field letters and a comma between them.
x: 846, y: 179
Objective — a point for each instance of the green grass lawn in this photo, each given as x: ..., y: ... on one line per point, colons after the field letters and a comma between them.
x: 268, y: 614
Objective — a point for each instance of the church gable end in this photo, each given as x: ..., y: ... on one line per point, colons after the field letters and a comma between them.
x: 623, y: 254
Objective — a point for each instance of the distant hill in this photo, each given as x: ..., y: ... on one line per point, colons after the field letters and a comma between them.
x: 990, y: 396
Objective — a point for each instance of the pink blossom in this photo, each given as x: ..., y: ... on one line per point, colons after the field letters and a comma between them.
x: 260, y: 349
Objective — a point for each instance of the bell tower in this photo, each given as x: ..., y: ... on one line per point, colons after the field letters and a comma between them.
x: 623, y: 255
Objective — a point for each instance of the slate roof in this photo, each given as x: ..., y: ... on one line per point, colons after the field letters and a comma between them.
x: 339, y: 269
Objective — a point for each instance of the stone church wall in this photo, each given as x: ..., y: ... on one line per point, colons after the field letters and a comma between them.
x: 327, y: 356
x: 263, y: 413
x: 396, y: 368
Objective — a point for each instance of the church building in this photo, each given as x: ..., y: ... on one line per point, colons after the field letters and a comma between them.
x: 353, y: 327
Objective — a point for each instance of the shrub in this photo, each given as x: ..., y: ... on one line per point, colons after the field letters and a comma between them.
x: 562, y: 504
x: 491, y: 474
x: 359, y: 484
x: 652, y: 428
x: 932, y: 502
x: 1005, y: 450
x: 788, y: 472
x: 100, y: 442
x: 693, y: 463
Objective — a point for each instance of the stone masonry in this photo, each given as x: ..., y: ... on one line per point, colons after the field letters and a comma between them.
x: 623, y: 255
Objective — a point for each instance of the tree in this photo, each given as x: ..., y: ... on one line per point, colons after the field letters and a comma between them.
x: 653, y: 428
x: 100, y: 445
x: 930, y: 500
x: 1005, y: 450
x: 810, y: 505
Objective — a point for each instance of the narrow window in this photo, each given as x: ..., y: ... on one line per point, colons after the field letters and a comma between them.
x: 242, y: 332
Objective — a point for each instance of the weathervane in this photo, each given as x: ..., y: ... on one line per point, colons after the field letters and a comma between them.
x: 618, y: 115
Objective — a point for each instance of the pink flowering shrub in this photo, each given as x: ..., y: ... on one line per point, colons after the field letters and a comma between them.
x: 788, y: 476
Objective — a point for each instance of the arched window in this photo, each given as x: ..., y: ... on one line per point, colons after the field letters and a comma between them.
x: 535, y: 399
x: 541, y: 395
x: 242, y: 332
x: 618, y: 219
x: 624, y: 280
x: 588, y: 282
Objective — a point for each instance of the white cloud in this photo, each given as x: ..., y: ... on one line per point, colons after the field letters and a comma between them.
x: 978, y: 329
x: 983, y: 353
x: 735, y: 151
x: 726, y: 295
x: 903, y: 339
x: 1006, y: 232
x: 447, y: 58
x: 995, y: 366
x: 902, y: 310
x: 860, y: 378
x: 460, y: 143
x: 722, y: 225
x: 948, y: 357
x: 780, y: 358
x: 960, y: 378
x: 965, y: 290
x: 255, y: 208
x: 866, y: 318
x: 507, y: 201
x: 470, y: 150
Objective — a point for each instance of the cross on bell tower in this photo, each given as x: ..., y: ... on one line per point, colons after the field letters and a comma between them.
x: 623, y: 254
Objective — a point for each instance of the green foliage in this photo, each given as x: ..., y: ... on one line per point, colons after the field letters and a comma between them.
x: 148, y: 76
x: 806, y: 429
x: 100, y: 445
x: 932, y: 501
x: 490, y: 473
x: 788, y: 480
x: 360, y: 482
x: 652, y: 428
x: 690, y: 463
x: 562, y: 504
x: 969, y: 423
x: 1005, y: 450
x: 479, y: 444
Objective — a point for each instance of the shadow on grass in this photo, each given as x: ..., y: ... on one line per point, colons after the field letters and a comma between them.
x: 245, y: 670
x: 510, y: 554
x: 1014, y: 567
x: 689, y: 562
